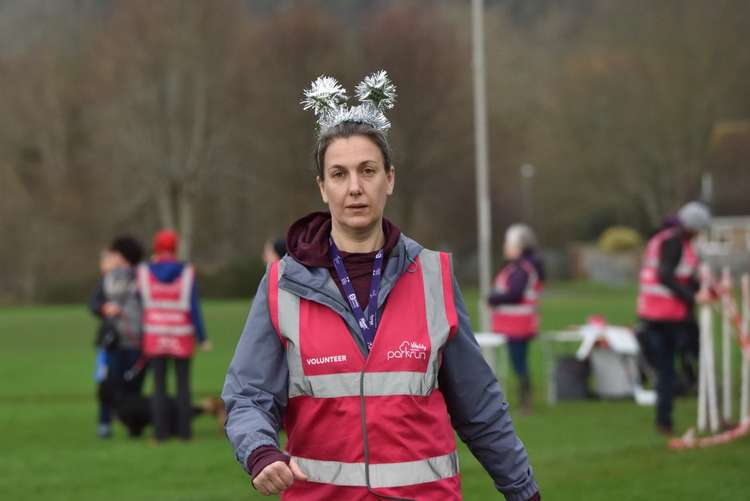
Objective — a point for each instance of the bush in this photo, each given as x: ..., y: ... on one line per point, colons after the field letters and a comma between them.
x: 617, y: 239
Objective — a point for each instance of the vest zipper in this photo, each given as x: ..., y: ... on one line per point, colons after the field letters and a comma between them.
x: 365, y: 444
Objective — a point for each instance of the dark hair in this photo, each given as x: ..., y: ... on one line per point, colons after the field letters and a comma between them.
x: 129, y: 248
x: 346, y: 130
x: 279, y: 247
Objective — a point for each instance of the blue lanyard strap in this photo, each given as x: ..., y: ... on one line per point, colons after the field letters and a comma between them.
x: 366, y: 327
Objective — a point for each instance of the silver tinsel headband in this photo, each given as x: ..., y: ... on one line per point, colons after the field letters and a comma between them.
x: 327, y: 99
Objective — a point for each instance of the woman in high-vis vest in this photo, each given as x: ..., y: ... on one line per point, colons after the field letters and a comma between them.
x: 515, y: 302
x: 668, y: 290
x: 358, y: 344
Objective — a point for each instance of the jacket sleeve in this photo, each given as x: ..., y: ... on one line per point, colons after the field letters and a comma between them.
x: 669, y: 258
x: 256, y: 384
x: 516, y: 287
x: 98, y: 299
x: 196, y: 314
x: 479, y: 411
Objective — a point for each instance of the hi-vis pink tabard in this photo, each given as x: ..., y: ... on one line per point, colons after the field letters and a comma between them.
x: 338, y: 399
x: 655, y: 300
x: 167, y: 323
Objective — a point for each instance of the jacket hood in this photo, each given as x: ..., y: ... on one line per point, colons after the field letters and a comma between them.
x: 307, y: 239
x: 166, y: 271
x: 315, y: 282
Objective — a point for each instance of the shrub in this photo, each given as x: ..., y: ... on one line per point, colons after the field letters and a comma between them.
x: 617, y: 239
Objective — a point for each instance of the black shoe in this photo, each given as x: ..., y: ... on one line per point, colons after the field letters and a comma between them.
x: 666, y: 430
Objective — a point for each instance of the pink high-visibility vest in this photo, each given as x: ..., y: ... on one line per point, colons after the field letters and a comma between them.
x: 167, y: 323
x: 655, y: 300
x: 518, y: 320
x: 380, y: 422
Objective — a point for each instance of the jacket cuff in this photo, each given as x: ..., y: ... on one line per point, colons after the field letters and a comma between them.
x: 526, y: 493
x: 262, y: 457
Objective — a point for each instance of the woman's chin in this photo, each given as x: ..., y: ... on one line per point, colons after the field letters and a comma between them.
x: 358, y: 223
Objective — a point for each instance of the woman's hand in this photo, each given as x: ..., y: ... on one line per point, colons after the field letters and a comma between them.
x: 277, y: 477
x: 110, y: 309
x: 704, y: 296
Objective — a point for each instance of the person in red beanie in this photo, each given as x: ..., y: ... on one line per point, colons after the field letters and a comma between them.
x: 172, y: 323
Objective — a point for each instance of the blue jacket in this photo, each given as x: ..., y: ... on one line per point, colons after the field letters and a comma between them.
x: 256, y: 384
x: 167, y: 272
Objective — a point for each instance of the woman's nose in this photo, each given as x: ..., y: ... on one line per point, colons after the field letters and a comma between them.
x: 355, y: 187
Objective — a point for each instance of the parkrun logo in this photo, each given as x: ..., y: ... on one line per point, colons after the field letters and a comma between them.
x: 409, y: 349
x: 326, y: 360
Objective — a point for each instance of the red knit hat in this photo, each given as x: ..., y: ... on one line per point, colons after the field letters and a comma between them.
x: 165, y: 241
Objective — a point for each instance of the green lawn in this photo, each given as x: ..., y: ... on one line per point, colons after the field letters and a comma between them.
x: 582, y: 450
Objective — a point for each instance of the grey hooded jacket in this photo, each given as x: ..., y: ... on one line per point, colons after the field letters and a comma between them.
x: 255, y: 389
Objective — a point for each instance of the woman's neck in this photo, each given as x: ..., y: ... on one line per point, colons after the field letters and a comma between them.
x: 366, y: 240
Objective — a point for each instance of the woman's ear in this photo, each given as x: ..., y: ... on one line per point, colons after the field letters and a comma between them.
x: 321, y: 187
x: 391, y: 177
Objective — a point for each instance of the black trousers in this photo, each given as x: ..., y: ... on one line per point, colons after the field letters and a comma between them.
x: 161, y: 408
x: 665, y: 340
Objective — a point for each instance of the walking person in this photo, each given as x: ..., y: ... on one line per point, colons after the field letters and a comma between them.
x: 359, y: 345
x: 172, y: 324
x: 515, y: 302
x: 119, y: 337
x: 669, y: 288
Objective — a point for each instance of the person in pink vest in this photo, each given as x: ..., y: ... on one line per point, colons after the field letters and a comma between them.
x: 358, y: 345
x: 668, y: 289
x: 515, y: 302
x: 172, y: 324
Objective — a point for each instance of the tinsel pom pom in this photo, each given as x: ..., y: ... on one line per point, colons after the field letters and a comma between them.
x: 325, y: 95
x: 377, y: 89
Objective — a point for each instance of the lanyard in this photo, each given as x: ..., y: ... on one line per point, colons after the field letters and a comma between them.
x: 366, y: 328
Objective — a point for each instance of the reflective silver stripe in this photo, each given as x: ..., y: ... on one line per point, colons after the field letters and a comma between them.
x: 376, y: 384
x: 288, y: 313
x: 683, y: 267
x: 656, y: 290
x: 683, y: 271
x: 379, y: 383
x: 381, y: 475
x: 143, y: 284
x: 515, y: 309
x: 434, y: 300
x: 172, y: 330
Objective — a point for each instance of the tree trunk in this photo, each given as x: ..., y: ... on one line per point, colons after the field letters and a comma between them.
x: 185, y: 203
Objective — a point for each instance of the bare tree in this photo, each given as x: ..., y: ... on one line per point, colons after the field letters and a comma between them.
x: 427, y: 57
x: 168, y: 65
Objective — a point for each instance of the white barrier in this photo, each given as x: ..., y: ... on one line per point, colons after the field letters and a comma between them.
x: 733, y: 325
x: 745, y: 383
x: 726, y: 343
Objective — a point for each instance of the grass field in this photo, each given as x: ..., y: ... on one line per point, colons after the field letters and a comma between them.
x: 581, y: 451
